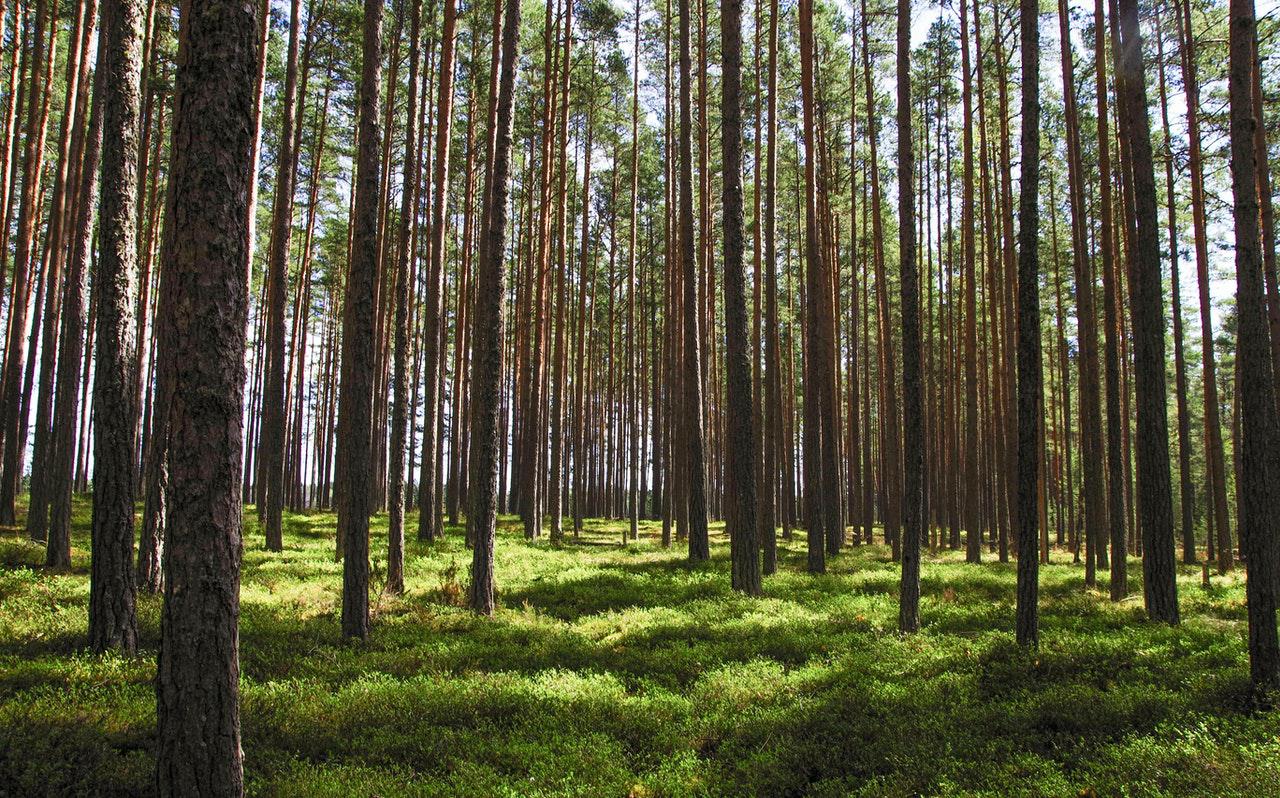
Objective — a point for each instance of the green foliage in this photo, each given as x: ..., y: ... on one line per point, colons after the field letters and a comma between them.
x: 627, y: 671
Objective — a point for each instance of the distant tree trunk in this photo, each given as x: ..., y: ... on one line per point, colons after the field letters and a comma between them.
x: 773, y: 362
x: 699, y: 543
x: 912, y: 394
x: 487, y: 342
x: 969, y: 234
x: 112, y: 622
x: 1106, y: 218
x: 205, y: 273
x: 1259, y: 490
x: 271, y: 443
x: 1030, y: 378
x: 743, y: 537
x: 355, y: 402
x: 1214, y: 460
x: 72, y: 344
x: 1159, y: 571
x: 1185, y: 484
x: 429, y: 522
x: 400, y: 410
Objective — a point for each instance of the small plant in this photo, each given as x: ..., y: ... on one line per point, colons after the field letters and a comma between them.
x: 450, y: 590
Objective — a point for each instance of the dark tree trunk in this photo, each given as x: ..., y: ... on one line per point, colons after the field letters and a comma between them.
x: 205, y: 283
x: 1030, y: 378
x: 487, y: 342
x: 71, y: 346
x: 400, y: 408
x: 1260, y: 445
x: 696, y: 476
x: 271, y: 444
x: 743, y: 537
x: 112, y: 622
x: 912, y: 394
x: 355, y: 402
x: 1155, y: 500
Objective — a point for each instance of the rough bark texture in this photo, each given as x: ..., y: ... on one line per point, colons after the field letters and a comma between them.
x: 1155, y: 499
x: 355, y: 402
x: 1260, y: 457
x: 486, y: 354
x: 743, y: 537
x: 205, y: 279
x: 1030, y: 378
x: 112, y: 622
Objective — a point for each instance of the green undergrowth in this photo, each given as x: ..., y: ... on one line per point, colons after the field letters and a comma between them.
x: 626, y: 671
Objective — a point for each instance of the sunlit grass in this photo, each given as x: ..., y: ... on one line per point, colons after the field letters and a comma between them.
x: 614, y: 670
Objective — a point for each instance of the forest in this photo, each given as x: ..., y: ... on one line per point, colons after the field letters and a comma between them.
x: 639, y: 398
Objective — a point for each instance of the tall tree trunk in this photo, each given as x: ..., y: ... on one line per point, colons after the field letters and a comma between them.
x: 1155, y: 500
x: 400, y: 410
x: 487, y: 342
x: 355, y: 402
x: 112, y: 621
x: 429, y: 521
x: 1259, y: 490
x: 741, y: 487
x: 205, y: 273
x: 1030, y: 378
x: 912, y: 394
x: 699, y: 543
x: 271, y: 443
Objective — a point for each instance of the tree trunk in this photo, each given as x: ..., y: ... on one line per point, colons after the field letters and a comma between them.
x: 487, y: 342
x: 1259, y: 490
x: 355, y: 402
x: 112, y: 622
x: 205, y: 274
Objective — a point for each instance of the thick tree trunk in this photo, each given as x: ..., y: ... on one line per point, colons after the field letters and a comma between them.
x: 205, y: 278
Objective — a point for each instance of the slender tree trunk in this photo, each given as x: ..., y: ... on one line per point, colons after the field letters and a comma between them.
x: 355, y: 403
x: 1259, y: 490
x: 487, y: 343
x: 1030, y: 379
x: 699, y: 543
x: 112, y: 622
x: 1155, y: 511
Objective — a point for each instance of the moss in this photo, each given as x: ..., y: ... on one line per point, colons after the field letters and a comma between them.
x: 628, y: 671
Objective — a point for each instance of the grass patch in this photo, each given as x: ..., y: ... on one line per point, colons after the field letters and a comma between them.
x: 626, y: 671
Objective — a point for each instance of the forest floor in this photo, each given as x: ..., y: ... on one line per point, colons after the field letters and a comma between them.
x: 615, y: 670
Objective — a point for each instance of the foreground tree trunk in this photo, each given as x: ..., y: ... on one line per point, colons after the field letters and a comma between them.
x: 355, y: 401
x: 112, y: 622
x: 488, y: 340
x: 1155, y: 499
x: 1030, y: 377
x: 743, y: 537
x: 1260, y: 457
x: 205, y: 281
